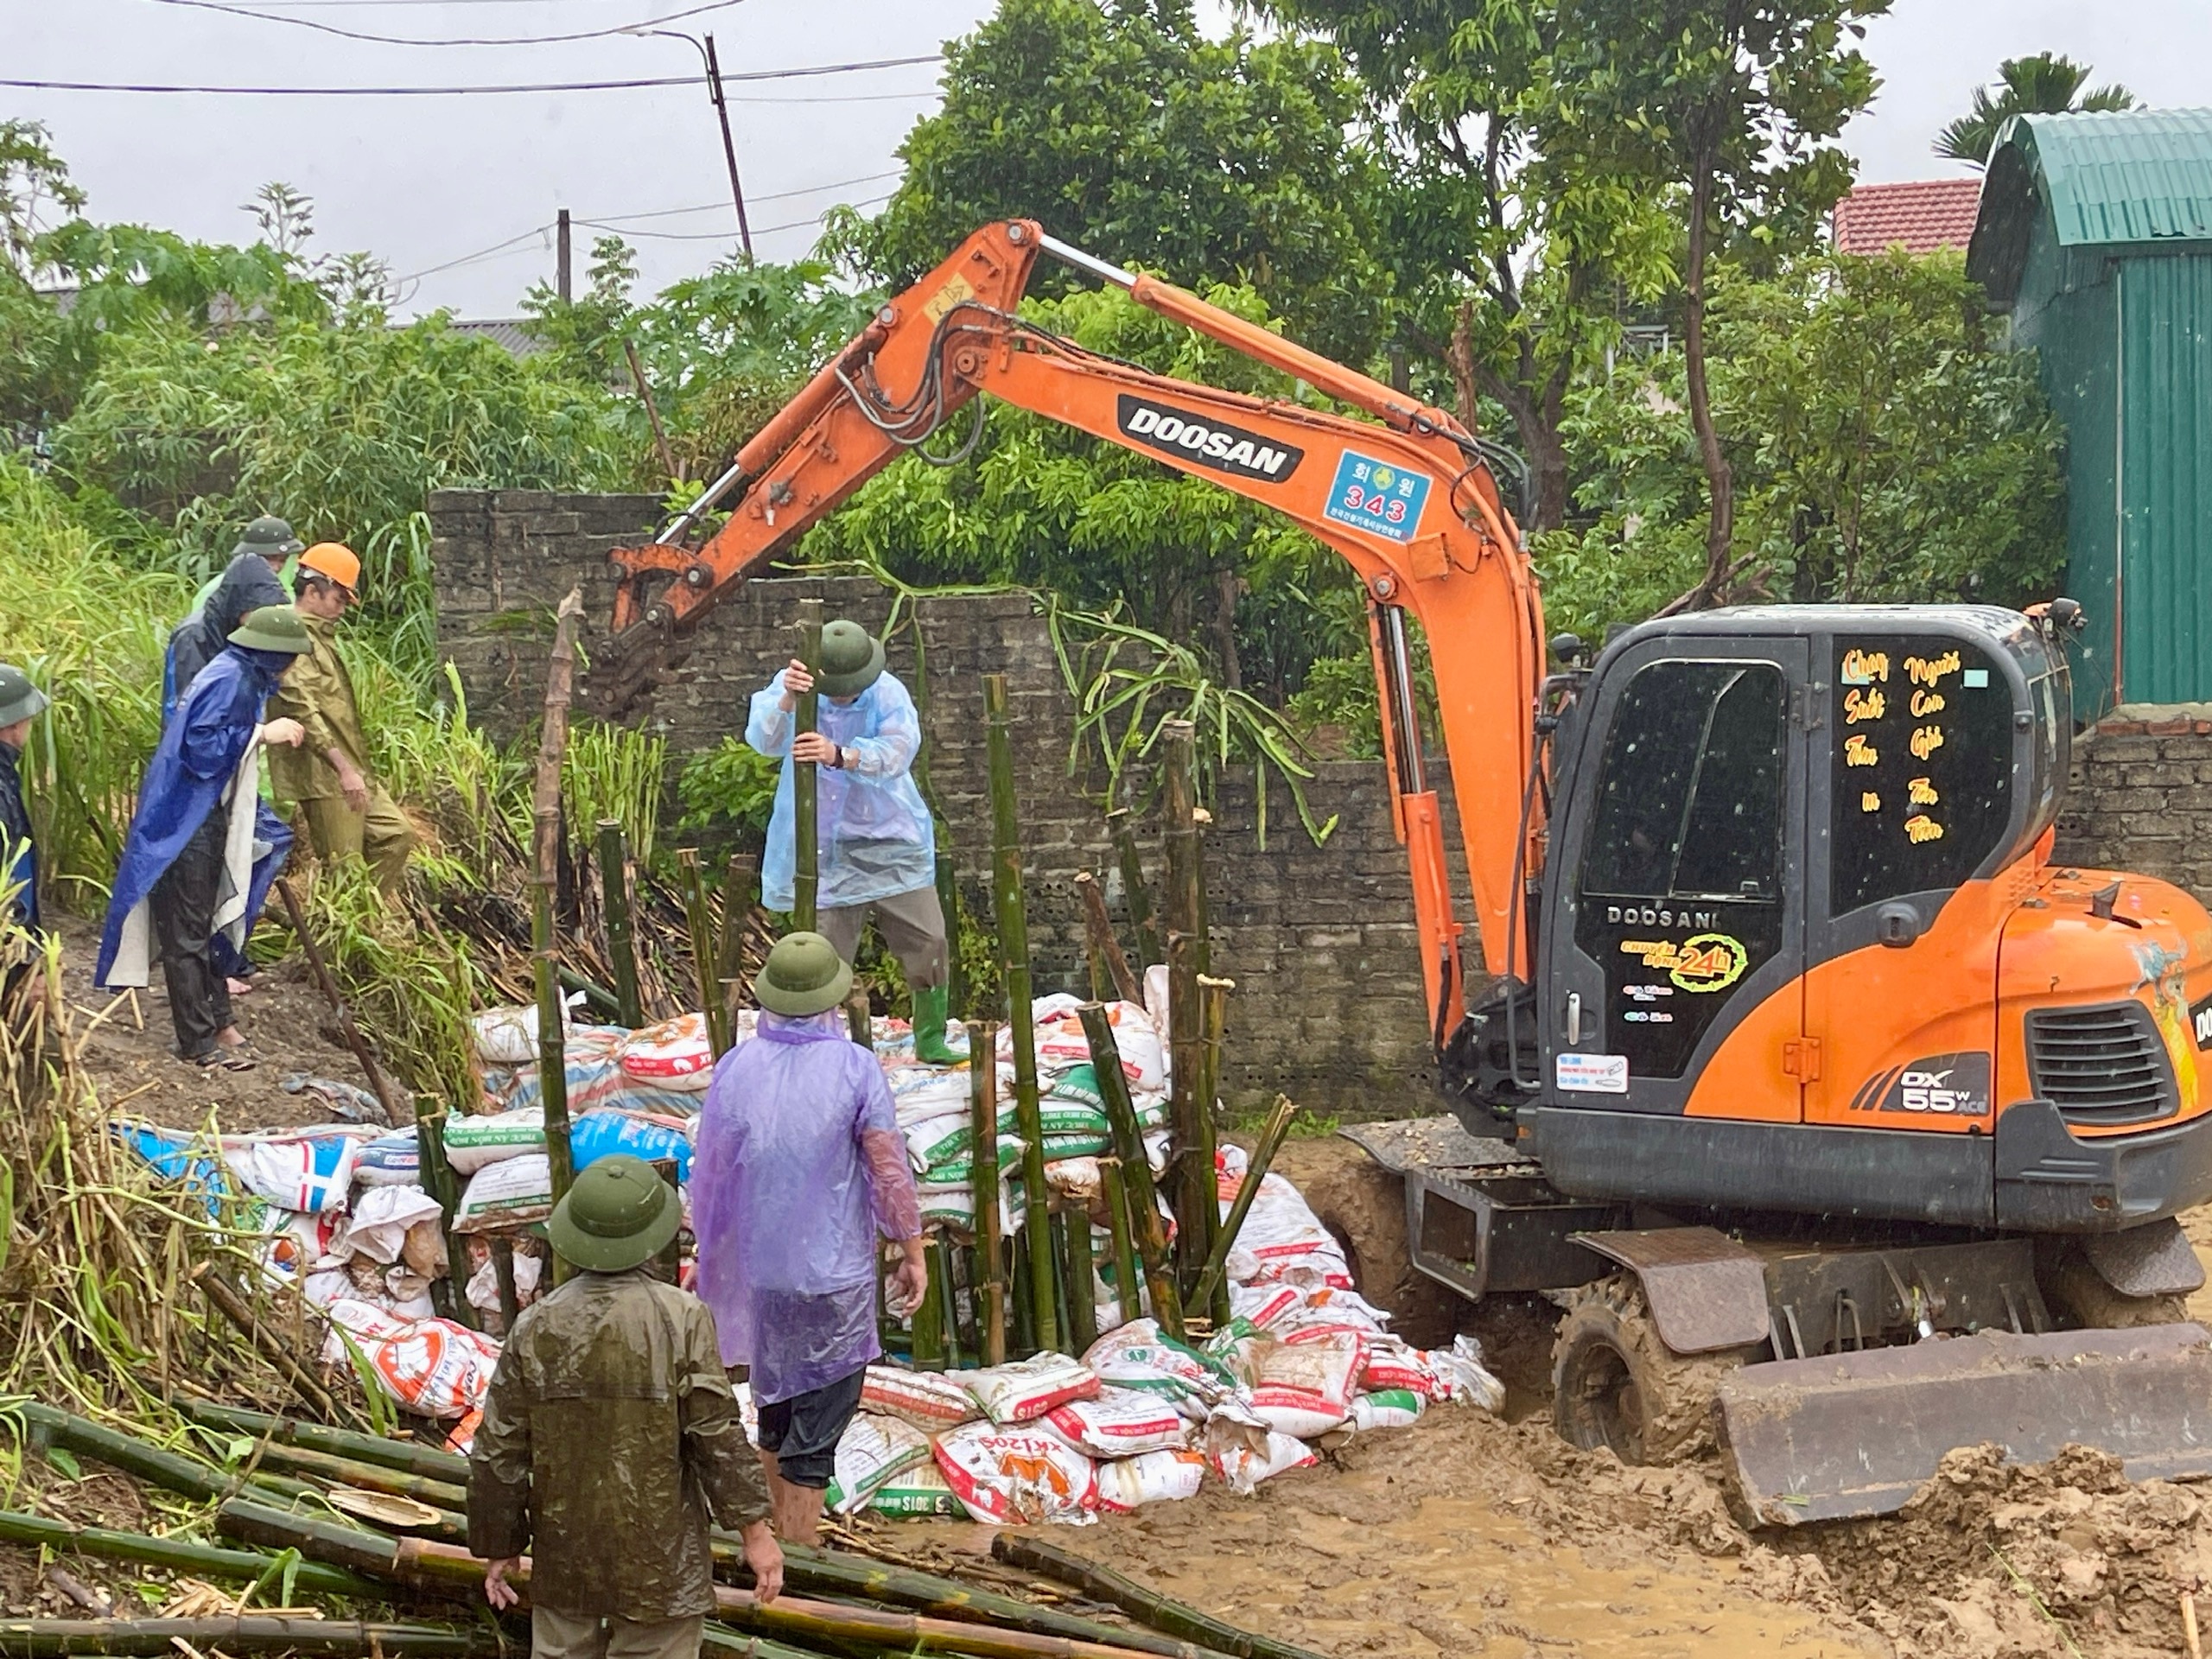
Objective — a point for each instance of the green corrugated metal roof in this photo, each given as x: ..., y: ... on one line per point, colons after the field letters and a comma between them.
x: 2129, y: 176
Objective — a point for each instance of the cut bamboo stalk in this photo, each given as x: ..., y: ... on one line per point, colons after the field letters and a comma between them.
x: 503, y: 1275
x: 1014, y: 947
x: 437, y: 1175
x: 1128, y: 1281
x: 614, y: 904
x: 1256, y: 1171
x: 1102, y: 1584
x: 1213, y: 1009
x: 859, y: 1025
x: 1082, y: 1288
x: 37, y: 1638
x: 1023, y: 1307
x: 1107, y: 962
x: 552, y: 1064
x: 721, y: 1639
x: 1151, y: 1238
x: 989, y: 1292
x: 928, y: 1326
x: 167, y: 1470
x: 1191, y: 1185
x: 805, y: 823
x: 335, y: 1543
x: 705, y: 949
x: 330, y: 1470
x: 233, y: 1308
x: 799, y: 1618
x: 1144, y: 920
x: 940, y: 1291
x: 202, y: 1561
x: 741, y: 897
x: 545, y: 876
x: 405, y: 1455
x: 1056, y: 1230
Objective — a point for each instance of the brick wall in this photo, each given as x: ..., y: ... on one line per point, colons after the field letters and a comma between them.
x: 2140, y: 798
x: 1320, y: 939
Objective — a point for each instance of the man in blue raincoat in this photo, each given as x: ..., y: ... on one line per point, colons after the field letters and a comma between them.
x: 186, y: 871
x: 876, y: 843
x: 253, y: 579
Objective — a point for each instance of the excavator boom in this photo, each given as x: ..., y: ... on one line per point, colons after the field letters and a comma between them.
x: 1404, y: 497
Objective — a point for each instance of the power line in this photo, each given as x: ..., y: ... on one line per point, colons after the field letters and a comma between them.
x: 724, y: 207
x: 720, y: 236
x: 453, y: 92
x: 405, y: 40
x: 482, y: 253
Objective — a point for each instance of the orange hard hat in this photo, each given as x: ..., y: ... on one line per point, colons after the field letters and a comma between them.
x: 336, y: 560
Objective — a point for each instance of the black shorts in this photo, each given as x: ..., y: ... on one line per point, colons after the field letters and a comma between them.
x: 803, y: 1430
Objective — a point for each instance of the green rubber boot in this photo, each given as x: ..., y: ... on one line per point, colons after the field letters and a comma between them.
x: 928, y: 1029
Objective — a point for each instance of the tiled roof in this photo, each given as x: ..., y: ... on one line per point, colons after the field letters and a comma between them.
x: 1919, y: 217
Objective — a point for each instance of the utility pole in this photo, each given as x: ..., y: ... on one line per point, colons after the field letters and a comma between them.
x: 561, y: 264
x: 729, y: 146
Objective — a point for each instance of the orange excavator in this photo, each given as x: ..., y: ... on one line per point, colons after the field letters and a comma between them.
x: 1846, y: 1129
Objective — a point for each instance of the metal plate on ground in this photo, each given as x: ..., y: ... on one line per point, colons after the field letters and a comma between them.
x: 1858, y: 1435
x: 1706, y: 1291
x: 1431, y: 1143
x: 2152, y: 1261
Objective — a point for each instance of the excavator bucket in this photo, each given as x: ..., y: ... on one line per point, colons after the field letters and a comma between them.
x: 1857, y: 1433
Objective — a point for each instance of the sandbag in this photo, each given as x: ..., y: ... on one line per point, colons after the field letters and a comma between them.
x: 1138, y: 1356
x: 434, y: 1368
x: 508, y: 1035
x: 871, y: 1451
x: 304, y: 1242
x: 1262, y: 1305
x: 512, y: 1193
x: 382, y: 1215
x: 1244, y: 1456
x: 472, y: 1143
x: 1165, y: 1476
x: 920, y: 1490
x: 1062, y: 1044
x: 1015, y: 1476
x: 1283, y: 1240
x: 1120, y: 1423
x: 1026, y: 1390
x: 392, y: 1160
x: 606, y: 1130
x: 310, y: 1169
x: 929, y: 1401
x: 676, y: 1054
x: 483, y: 1291
x: 1460, y: 1376
x: 1303, y: 1388
x: 1387, y: 1408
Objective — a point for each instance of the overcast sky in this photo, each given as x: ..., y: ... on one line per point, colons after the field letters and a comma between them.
x: 429, y: 181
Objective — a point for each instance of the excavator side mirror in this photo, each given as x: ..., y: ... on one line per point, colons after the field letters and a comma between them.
x: 2066, y: 614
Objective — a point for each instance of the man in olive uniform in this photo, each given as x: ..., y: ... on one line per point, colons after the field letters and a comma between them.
x: 609, y: 1433
x: 21, y: 703
x: 349, y: 814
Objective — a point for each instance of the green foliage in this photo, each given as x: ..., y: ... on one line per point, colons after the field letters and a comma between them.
x: 1123, y: 129
x: 1884, y: 448
x: 2046, y: 84
x: 35, y: 186
x: 613, y: 772
x: 728, y: 790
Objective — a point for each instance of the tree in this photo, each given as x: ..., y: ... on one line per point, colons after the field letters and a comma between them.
x: 1884, y: 444
x: 1508, y: 268
x: 34, y: 187
x: 2046, y: 84
x: 1122, y: 128
x: 1734, y: 102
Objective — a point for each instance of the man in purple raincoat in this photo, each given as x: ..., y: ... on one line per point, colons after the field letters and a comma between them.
x: 800, y: 1167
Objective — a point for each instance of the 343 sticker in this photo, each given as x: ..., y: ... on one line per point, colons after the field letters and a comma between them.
x: 1703, y: 962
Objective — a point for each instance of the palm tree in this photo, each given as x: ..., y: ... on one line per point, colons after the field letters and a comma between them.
x: 2046, y: 84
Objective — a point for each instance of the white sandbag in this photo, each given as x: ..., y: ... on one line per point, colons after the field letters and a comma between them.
x: 1120, y: 1423
x: 929, y: 1401
x: 1461, y: 1376
x: 1014, y: 1476
x: 512, y: 1193
x: 435, y: 1368
x: 1387, y: 1408
x: 1262, y: 1305
x: 483, y: 1284
x: 1137, y: 1357
x: 1243, y: 1456
x: 1026, y: 1390
x: 301, y: 1241
x: 391, y: 1159
x: 1156, y: 1000
x: 382, y: 1215
x: 1239, y: 1346
x: 1062, y: 1045
x: 1327, y: 1304
x: 1163, y: 1477
x: 474, y: 1143
x: 920, y: 1490
x: 1281, y: 1236
x: 308, y: 1169
x: 1305, y: 1387
x: 871, y: 1451
x: 508, y: 1035
x: 674, y: 1054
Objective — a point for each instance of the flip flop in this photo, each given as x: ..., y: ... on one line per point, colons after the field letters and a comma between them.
x: 226, y: 1060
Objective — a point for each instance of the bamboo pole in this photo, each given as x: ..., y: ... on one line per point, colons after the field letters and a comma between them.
x: 380, y: 1085
x: 928, y: 1327
x: 38, y: 1638
x: 1213, y: 1009
x: 797, y: 1616
x: 545, y: 875
x: 1143, y: 919
x: 407, y: 1456
x: 1256, y: 1171
x: 621, y: 938
x: 989, y: 1292
x: 330, y: 1470
x: 1127, y: 1280
x: 1151, y: 1238
x: 202, y: 1561
x: 940, y: 1292
x: 1081, y: 1288
x: 705, y: 949
x: 1013, y: 945
x: 1191, y: 1185
x: 1102, y: 1584
x: 552, y: 1066
x: 860, y: 1025
x: 805, y: 821
x: 1110, y: 972
x: 741, y: 897
x: 503, y: 1276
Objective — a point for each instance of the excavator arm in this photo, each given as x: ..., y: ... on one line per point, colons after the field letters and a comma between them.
x: 1408, y: 503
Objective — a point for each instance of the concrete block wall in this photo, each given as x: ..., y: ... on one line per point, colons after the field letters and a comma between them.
x: 2139, y: 798
x: 1320, y: 939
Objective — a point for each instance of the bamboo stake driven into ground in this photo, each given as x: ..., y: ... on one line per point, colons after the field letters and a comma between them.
x: 989, y: 1292
x: 1145, y: 1227
x: 621, y: 938
x: 545, y: 861
x: 805, y: 820
x: 1110, y: 972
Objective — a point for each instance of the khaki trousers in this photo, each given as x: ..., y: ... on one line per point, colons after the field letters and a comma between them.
x: 382, y: 835
x: 567, y: 1636
x: 913, y: 925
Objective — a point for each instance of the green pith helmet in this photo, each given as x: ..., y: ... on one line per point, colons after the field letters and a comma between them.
x: 273, y: 627
x: 618, y: 1215
x: 804, y: 975
x: 270, y: 537
x: 851, y: 660
x: 19, y: 698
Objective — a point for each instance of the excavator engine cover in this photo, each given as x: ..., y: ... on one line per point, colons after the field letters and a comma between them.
x: 1857, y: 1434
